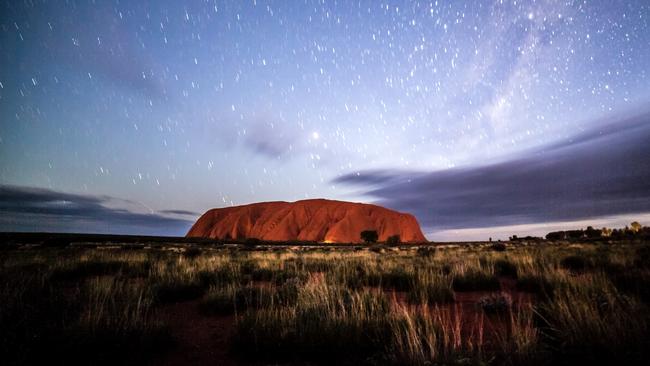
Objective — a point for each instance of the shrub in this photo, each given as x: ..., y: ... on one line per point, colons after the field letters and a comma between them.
x: 247, y: 267
x: 219, y: 300
x: 132, y: 246
x: 56, y: 242
x: 252, y: 242
x: 169, y: 292
x: 369, y: 236
x: 642, y: 257
x: 136, y: 269
x: 495, y: 303
x: 476, y: 281
x: 431, y: 293
x: 221, y: 276
x: 426, y: 251
x: 535, y: 284
x: 378, y: 248
x: 556, y: 235
x: 192, y: 252
x: 574, y: 263
x: 393, y: 240
x: 498, y: 247
x: 82, y: 269
x: 397, y: 278
x: 263, y: 274
x: 503, y: 267
x: 634, y: 283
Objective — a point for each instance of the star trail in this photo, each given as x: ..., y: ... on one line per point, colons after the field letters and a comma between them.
x: 149, y: 113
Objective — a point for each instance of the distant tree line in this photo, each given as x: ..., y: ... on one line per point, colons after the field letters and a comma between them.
x: 633, y: 231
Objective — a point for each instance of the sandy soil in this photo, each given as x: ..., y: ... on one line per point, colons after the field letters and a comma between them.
x: 200, y: 340
x: 203, y: 340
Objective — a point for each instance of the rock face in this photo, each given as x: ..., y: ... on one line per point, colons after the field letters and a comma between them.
x: 310, y: 220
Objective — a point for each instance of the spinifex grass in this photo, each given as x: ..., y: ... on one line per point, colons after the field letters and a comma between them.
x: 394, y: 306
x: 326, y: 321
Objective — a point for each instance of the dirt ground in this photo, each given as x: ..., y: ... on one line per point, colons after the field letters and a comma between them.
x: 200, y: 340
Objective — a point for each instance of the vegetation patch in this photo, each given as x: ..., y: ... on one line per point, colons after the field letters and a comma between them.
x: 169, y: 292
x: 505, y: 268
x: 318, y: 305
x: 574, y: 263
x: 535, y: 284
x: 476, y: 280
x: 78, y: 270
x: 431, y: 293
x: 496, y: 303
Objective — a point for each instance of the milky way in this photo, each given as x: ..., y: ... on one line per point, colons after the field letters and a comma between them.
x: 164, y: 109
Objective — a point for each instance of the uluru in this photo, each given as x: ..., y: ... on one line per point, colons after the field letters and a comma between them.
x: 317, y: 220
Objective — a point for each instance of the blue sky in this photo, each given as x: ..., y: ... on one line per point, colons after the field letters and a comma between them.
x: 173, y: 105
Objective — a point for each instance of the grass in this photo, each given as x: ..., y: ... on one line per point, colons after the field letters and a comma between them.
x: 75, y: 311
x: 496, y: 303
x: 592, y: 315
x: 430, y: 288
x: 505, y: 268
x: 476, y: 280
x: 324, y: 318
x: 397, y: 305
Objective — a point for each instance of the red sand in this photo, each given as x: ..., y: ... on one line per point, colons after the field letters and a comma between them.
x: 200, y: 340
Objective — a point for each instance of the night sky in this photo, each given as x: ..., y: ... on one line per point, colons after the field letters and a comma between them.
x: 481, y: 118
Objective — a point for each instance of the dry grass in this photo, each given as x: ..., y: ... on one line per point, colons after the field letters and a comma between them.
x: 396, y: 306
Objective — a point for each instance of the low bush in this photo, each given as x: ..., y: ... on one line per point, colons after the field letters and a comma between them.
x: 431, y: 293
x: 642, y: 257
x: 393, y: 240
x: 633, y: 283
x: 77, y: 270
x: 476, y: 281
x: 378, y: 248
x: 574, y: 263
x: 170, y: 292
x: 535, y: 284
x: 498, y: 247
x: 192, y: 252
x: 496, y: 303
x: 426, y: 251
x: 252, y: 242
x: 396, y: 278
x: 505, y: 268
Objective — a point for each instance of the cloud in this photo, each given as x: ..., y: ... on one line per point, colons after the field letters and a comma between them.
x: 603, y: 171
x: 179, y: 212
x: 269, y: 140
x: 259, y: 133
x: 38, y: 209
x: 538, y: 229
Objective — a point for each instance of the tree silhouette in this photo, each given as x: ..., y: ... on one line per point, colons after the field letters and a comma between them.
x: 606, y: 231
x: 369, y: 236
x: 393, y: 240
x: 636, y: 227
x: 593, y: 233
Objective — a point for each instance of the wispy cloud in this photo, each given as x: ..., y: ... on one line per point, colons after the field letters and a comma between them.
x: 259, y: 133
x: 540, y: 229
x: 38, y: 209
x: 179, y: 212
x: 600, y: 172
